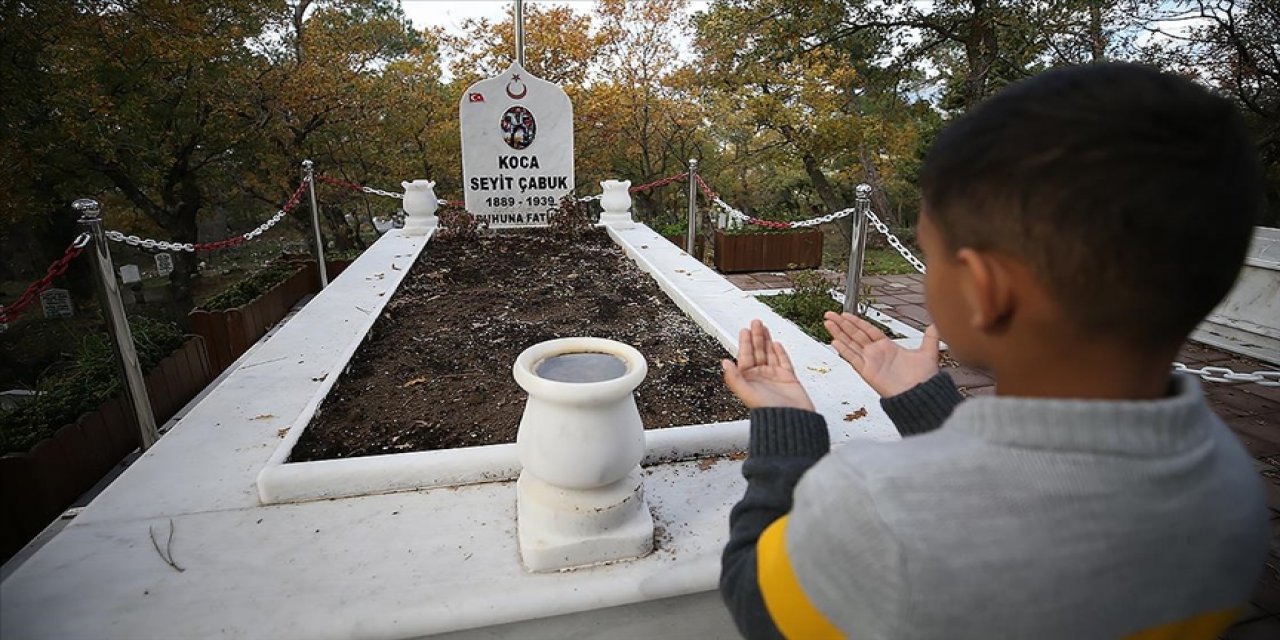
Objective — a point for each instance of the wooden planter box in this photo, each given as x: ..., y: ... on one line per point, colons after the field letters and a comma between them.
x: 230, y: 332
x: 37, y: 486
x: 737, y: 252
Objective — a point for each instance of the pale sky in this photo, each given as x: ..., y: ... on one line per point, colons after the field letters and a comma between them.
x: 451, y: 13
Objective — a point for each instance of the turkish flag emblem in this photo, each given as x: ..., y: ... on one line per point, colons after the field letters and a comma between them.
x: 475, y: 97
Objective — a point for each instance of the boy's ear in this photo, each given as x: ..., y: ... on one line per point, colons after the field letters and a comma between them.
x: 988, y: 289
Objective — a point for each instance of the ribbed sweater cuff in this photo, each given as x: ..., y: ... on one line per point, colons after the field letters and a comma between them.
x: 923, y: 407
x: 780, y: 431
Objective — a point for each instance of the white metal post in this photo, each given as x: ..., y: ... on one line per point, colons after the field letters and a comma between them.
x: 853, y: 280
x: 309, y: 175
x: 520, y: 32
x: 135, y: 385
x: 692, y: 231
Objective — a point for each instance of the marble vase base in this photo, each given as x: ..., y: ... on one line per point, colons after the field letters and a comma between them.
x: 560, y: 528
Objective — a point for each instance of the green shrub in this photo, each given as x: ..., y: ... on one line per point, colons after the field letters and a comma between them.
x: 81, y: 382
x: 250, y: 287
x: 810, y: 299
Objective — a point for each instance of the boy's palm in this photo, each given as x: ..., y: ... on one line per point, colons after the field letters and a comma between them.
x: 889, y: 368
x: 763, y: 375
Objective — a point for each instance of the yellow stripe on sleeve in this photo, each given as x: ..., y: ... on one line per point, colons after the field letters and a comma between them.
x: 1205, y: 626
x: 785, y: 599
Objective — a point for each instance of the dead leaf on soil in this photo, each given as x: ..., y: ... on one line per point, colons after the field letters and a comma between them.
x: 413, y: 382
x: 856, y: 415
x: 265, y: 416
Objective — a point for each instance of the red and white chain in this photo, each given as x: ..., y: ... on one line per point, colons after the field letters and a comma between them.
x: 59, y: 267
x: 165, y: 245
x: 379, y: 192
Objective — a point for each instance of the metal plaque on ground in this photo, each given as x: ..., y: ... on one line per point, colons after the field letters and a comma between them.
x: 57, y: 303
x: 517, y: 148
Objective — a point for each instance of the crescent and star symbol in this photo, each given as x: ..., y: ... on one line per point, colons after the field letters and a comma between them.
x: 524, y: 90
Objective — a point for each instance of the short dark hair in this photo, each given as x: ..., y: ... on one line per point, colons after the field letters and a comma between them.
x: 1131, y: 193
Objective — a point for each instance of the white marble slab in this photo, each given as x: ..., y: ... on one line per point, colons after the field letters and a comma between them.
x: 396, y: 565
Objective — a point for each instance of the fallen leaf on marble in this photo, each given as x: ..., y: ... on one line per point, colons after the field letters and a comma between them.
x: 280, y: 433
x: 856, y: 415
x: 823, y: 369
x: 265, y: 416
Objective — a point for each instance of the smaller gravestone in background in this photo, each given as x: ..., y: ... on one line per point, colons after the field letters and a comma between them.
x: 130, y: 274
x: 164, y: 264
x: 57, y: 303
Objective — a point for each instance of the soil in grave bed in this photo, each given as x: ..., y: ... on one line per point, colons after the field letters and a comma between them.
x: 435, y: 370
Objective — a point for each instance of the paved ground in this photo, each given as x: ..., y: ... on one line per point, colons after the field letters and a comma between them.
x: 1252, y: 411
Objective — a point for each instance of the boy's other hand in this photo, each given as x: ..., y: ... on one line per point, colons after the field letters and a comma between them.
x: 763, y: 376
x: 889, y: 368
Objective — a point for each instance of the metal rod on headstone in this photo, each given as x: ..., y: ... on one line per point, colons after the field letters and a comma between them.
x: 692, y: 231
x: 135, y: 386
x: 308, y: 174
x: 853, y: 281
x: 520, y: 32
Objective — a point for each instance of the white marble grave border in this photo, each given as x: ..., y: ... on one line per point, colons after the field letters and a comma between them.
x: 710, y: 300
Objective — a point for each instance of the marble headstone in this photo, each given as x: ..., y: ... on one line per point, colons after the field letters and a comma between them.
x: 517, y: 148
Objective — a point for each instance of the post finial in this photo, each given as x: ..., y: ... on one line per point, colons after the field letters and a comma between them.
x: 863, y: 190
x: 88, y: 208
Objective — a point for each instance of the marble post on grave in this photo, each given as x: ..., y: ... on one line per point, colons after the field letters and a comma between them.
x: 615, y: 202
x: 517, y: 148
x: 57, y: 303
x: 420, y: 204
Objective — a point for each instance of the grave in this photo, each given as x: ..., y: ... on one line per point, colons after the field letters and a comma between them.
x: 164, y: 264
x: 56, y: 303
x: 212, y: 531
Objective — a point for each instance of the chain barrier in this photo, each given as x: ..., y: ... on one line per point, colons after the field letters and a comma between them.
x: 1223, y: 374
x: 33, y: 291
x: 883, y: 228
x: 392, y: 194
x: 895, y: 242
x: 659, y: 183
x: 164, y: 245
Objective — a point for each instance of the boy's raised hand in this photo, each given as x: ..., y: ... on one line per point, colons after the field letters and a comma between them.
x: 763, y: 376
x: 889, y: 368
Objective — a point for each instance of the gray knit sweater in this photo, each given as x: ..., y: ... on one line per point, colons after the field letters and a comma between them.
x: 1017, y: 518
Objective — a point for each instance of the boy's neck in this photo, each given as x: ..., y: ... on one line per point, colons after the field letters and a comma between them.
x: 1099, y: 370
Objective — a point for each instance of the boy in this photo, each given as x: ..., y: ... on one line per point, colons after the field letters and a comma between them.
x: 1076, y: 227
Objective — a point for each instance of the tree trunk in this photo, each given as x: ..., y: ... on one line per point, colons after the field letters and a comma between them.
x: 182, y: 226
x: 981, y: 50
x: 1097, y: 40
x: 880, y: 204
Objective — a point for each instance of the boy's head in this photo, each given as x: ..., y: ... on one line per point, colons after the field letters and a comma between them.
x: 1126, y: 195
